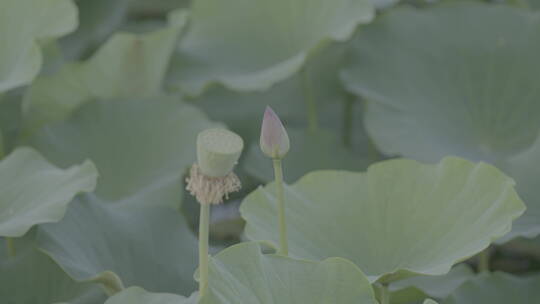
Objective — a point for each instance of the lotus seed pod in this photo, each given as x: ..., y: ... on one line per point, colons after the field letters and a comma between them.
x: 218, y: 151
x: 274, y: 140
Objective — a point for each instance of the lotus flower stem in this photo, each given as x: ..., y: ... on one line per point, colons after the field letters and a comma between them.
x: 483, y: 260
x: 311, y: 105
x: 385, y: 294
x: 372, y: 152
x: 278, y: 174
x: 204, y: 223
x: 10, y: 245
x: 348, y: 120
x: 1, y: 146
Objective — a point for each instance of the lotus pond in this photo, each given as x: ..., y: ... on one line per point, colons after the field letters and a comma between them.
x: 269, y: 152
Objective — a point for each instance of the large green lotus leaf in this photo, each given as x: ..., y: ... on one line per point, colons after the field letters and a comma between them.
x: 441, y: 83
x: 97, y: 20
x: 150, y: 247
x: 309, y: 151
x: 126, y: 66
x: 22, y: 23
x: 32, y: 277
x: 399, y: 218
x: 33, y: 191
x: 137, y: 295
x: 137, y: 145
x: 280, y: 37
x: 438, y: 287
x: 437, y: 88
x: 243, y: 274
x: 497, y: 288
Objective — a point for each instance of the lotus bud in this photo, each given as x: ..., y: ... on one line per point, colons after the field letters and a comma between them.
x: 212, y: 178
x: 274, y: 140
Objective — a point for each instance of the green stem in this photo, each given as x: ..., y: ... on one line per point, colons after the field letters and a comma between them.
x: 10, y: 244
x: 1, y: 146
x: 204, y: 223
x: 348, y: 120
x: 483, y: 260
x: 385, y: 294
x: 278, y: 174
x: 311, y: 105
x: 372, y: 152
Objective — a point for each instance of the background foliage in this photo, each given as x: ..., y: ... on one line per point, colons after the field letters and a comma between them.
x: 101, y: 102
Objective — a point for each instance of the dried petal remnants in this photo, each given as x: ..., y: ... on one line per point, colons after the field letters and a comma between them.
x: 211, y: 190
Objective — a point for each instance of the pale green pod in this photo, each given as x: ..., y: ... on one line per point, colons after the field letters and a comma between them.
x: 218, y: 151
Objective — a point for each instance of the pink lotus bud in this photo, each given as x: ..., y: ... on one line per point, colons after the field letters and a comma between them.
x: 274, y: 139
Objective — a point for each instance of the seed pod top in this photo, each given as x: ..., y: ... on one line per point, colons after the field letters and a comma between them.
x: 218, y: 151
x: 274, y: 140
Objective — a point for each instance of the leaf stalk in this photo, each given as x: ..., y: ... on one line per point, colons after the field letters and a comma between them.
x: 311, y: 105
x: 348, y: 120
x: 385, y: 294
x: 278, y: 175
x: 483, y: 260
x: 204, y: 224
x: 10, y: 245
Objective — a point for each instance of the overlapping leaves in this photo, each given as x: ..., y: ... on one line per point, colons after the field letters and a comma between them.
x: 441, y: 83
x: 139, y: 146
x: 111, y: 109
x: 127, y: 66
x: 497, y: 288
x: 261, y: 48
x: 242, y: 274
x: 32, y: 277
x: 322, y: 145
x: 123, y: 245
x: 97, y: 20
x: 438, y: 287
